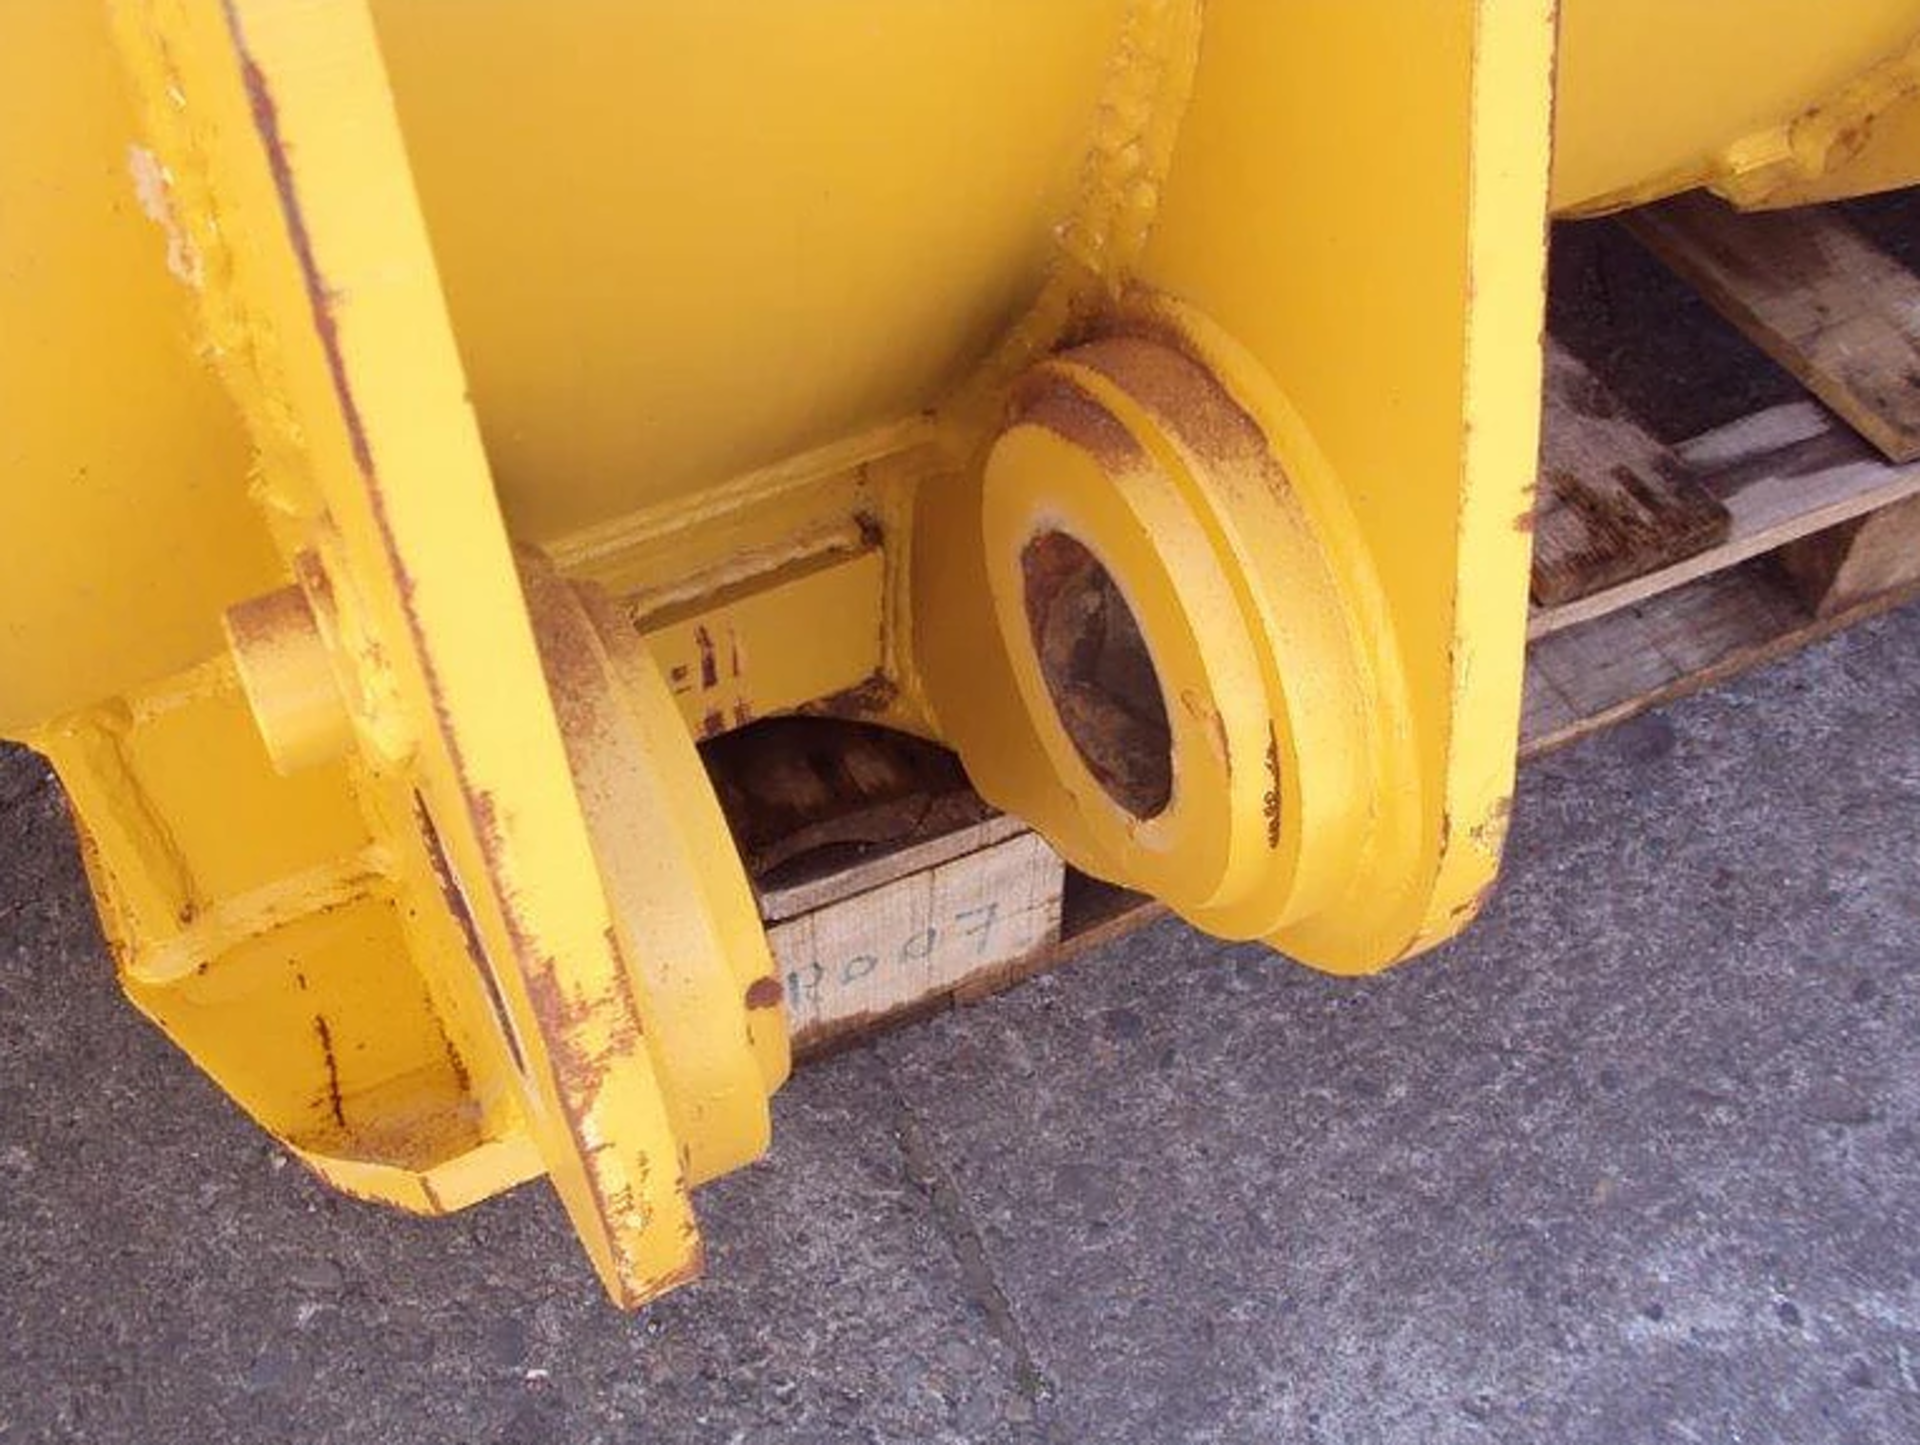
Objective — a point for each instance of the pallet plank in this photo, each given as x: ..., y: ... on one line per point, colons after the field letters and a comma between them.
x: 1613, y: 502
x: 1782, y: 474
x: 1845, y: 565
x: 1704, y: 632
x: 856, y: 961
x: 1813, y: 293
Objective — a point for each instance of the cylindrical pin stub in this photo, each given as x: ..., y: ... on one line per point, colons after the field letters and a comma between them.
x: 287, y: 674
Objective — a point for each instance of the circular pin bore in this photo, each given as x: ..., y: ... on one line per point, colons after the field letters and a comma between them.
x: 1098, y: 672
x: 1186, y: 651
x: 1141, y: 719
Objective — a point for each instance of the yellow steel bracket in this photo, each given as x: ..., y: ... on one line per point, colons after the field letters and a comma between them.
x: 1157, y: 430
x: 1863, y: 137
x: 1254, y: 539
x: 1138, y: 396
x: 613, y: 985
x: 1782, y: 102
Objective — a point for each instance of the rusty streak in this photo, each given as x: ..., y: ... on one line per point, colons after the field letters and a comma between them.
x: 334, y: 1100
x: 1270, y: 804
x: 874, y: 694
x: 709, y: 658
x: 266, y: 120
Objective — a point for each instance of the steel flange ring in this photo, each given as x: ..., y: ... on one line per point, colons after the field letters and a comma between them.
x: 1186, y: 639
x: 699, y: 970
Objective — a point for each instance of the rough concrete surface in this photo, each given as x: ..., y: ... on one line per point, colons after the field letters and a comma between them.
x: 1633, y: 1161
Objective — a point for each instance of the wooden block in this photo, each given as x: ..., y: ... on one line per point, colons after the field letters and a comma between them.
x: 1543, y: 711
x: 1613, y: 502
x: 1781, y: 474
x: 883, y: 879
x: 1630, y: 656
x: 1813, y: 293
x: 1585, y: 678
x: 1846, y: 565
x: 822, y: 880
x: 1091, y: 913
x: 852, y: 962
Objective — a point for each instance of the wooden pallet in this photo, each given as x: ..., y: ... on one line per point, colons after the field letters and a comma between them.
x: 891, y: 891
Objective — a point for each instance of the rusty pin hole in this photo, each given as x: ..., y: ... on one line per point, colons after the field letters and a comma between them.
x: 1098, y: 672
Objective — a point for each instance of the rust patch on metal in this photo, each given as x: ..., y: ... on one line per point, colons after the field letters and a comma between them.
x: 765, y: 992
x: 1052, y: 403
x: 1270, y: 803
x: 462, y: 1076
x: 580, y: 1076
x: 259, y: 623
x: 1099, y: 673
x: 335, y: 1103
x: 565, y: 1016
x: 559, y: 1012
x: 709, y: 657
x: 629, y: 982
x: 450, y: 894
x: 870, y: 697
x: 266, y: 120
x: 1156, y: 371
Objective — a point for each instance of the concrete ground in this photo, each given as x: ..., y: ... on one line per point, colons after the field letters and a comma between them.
x: 1635, y: 1160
